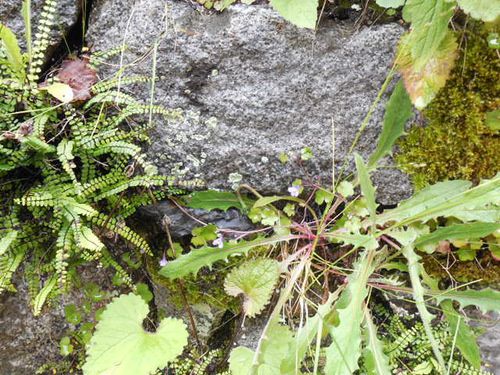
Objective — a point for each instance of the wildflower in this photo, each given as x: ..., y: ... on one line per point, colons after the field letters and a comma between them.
x: 163, y: 261
x: 219, y: 241
x: 294, y: 190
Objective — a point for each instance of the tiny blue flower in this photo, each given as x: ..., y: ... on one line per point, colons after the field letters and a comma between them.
x: 163, y: 261
x: 294, y: 190
x: 219, y: 241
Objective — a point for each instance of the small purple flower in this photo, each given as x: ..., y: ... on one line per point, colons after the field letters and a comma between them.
x: 219, y: 241
x: 294, y: 190
x: 163, y: 261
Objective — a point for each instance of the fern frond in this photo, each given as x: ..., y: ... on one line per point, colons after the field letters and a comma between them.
x: 42, y: 39
x: 123, y: 230
x: 8, y: 265
x: 107, y: 85
x: 107, y: 260
x: 98, y: 57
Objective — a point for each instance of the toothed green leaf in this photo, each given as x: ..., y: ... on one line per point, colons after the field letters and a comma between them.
x: 365, y: 241
x: 449, y: 198
x: 215, y: 200
x: 203, y: 235
x: 367, y: 188
x: 458, y: 232
x: 206, y: 256
x: 466, y: 340
x: 429, y: 26
x: 415, y: 271
x: 343, y: 354
x: 485, y: 299
x: 275, y: 349
x: 376, y: 362
x: 255, y: 279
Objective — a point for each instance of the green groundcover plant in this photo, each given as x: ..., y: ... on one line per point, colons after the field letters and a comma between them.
x: 71, y: 165
x: 72, y: 171
x: 332, y: 252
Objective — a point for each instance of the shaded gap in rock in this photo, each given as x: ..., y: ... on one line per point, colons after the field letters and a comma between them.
x: 73, y: 41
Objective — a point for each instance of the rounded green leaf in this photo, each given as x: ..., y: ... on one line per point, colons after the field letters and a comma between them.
x: 485, y: 10
x: 302, y: 13
x: 390, y: 3
x: 121, y: 346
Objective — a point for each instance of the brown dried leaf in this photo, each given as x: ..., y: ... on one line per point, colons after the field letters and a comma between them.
x: 9, y: 135
x: 79, y: 76
x: 26, y: 128
x: 423, y: 84
x: 444, y: 247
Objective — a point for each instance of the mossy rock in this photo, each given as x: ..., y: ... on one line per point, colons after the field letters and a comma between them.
x: 485, y: 269
x: 455, y: 143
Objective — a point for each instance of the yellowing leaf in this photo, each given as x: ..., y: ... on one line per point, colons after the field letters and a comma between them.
x: 254, y: 279
x: 60, y: 91
x: 121, y: 346
x: 486, y: 10
x: 422, y: 84
x: 302, y: 13
x: 429, y: 27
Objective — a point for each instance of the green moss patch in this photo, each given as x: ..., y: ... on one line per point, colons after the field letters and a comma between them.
x: 456, y: 143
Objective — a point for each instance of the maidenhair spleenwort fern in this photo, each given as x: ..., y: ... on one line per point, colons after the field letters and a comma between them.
x: 71, y: 172
x: 195, y: 364
x: 409, y: 351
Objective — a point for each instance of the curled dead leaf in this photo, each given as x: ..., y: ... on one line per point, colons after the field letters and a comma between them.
x: 78, y: 74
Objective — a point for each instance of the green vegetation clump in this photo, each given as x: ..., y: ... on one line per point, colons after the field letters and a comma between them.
x: 208, y: 287
x: 456, y: 143
x: 72, y: 169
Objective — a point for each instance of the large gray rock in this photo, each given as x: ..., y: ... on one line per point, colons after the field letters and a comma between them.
x: 66, y: 17
x: 27, y: 341
x: 253, y: 86
x: 489, y: 341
